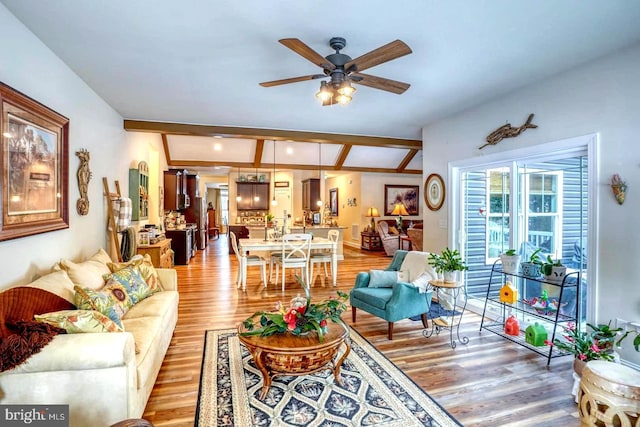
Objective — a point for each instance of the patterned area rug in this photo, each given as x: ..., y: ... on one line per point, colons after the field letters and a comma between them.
x: 374, y: 391
x: 435, y: 311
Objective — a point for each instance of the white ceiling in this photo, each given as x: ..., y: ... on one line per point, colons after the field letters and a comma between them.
x: 201, y: 61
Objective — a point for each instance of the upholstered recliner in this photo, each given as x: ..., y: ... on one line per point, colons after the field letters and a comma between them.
x: 403, y: 299
x: 390, y: 242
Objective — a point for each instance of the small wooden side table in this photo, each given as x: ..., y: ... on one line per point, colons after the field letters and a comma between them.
x: 370, y: 241
x: 439, y: 323
x: 160, y: 253
x: 287, y: 354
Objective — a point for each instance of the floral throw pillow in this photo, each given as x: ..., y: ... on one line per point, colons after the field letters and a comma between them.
x: 112, y: 300
x: 132, y: 281
x: 144, y: 266
x: 80, y: 321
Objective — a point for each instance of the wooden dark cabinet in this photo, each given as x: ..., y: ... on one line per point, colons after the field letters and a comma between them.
x: 182, y: 243
x: 175, y: 190
x: 193, y: 185
x: 310, y: 194
x: 370, y: 241
x: 248, y: 191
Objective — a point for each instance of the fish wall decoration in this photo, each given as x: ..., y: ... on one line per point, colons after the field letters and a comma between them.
x: 508, y: 131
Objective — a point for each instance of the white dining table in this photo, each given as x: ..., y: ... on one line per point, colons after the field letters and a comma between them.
x: 247, y: 245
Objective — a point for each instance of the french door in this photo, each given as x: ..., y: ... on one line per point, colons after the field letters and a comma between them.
x: 525, y: 204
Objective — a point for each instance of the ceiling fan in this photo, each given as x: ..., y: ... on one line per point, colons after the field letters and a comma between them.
x: 342, y: 70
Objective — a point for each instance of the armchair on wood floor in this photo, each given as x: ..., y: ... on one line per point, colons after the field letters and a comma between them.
x: 402, y: 299
x: 390, y: 242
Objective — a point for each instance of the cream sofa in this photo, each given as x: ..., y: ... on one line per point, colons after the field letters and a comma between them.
x: 103, y: 377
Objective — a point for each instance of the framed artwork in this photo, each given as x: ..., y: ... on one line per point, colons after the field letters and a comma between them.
x: 35, y: 166
x: 405, y: 194
x: 333, y: 202
x: 434, y: 192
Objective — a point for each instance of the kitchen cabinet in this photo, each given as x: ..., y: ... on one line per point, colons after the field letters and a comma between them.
x: 248, y: 191
x: 139, y: 191
x: 193, y: 185
x: 310, y: 194
x: 175, y: 190
x: 182, y: 243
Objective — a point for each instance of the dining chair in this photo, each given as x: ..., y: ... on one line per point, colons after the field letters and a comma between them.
x: 324, y: 256
x: 294, y: 254
x: 252, y: 260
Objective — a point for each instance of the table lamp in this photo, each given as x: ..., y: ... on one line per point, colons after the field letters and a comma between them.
x: 372, y: 213
x: 399, y: 210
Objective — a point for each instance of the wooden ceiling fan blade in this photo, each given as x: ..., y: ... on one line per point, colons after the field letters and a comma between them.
x: 385, y: 53
x: 305, y: 51
x: 292, y: 80
x: 380, y: 83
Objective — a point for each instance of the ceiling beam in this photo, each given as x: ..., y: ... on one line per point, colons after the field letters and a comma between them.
x: 407, y: 159
x: 165, y: 145
x: 257, y: 159
x: 268, y: 166
x: 342, y: 157
x: 275, y: 134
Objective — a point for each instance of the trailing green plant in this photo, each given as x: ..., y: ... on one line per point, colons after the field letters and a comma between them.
x: 534, y: 258
x: 604, y: 335
x: 636, y: 340
x: 547, y: 266
x: 448, y: 260
x: 582, y: 344
x: 436, y: 262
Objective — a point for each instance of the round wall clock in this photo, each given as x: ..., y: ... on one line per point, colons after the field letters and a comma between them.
x: 434, y: 192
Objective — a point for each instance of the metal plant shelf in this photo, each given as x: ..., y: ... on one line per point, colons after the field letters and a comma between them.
x: 521, y: 308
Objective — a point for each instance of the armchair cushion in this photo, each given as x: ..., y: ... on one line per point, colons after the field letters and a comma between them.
x: 382, y: 278
x: 376, y: 297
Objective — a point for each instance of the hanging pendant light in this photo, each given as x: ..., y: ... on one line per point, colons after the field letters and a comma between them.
x: 274, y: 202
x: 256, y: 196
x: 238, y: 196
x: 319, y: 202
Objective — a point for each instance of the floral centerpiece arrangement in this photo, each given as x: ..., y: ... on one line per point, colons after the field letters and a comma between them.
x: 299, y: 318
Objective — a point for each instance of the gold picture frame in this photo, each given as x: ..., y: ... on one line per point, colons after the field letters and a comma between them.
x: 434, y: 192
x: 34, y: 154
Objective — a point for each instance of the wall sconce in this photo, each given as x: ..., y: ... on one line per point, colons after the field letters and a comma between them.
x: 619, y: 188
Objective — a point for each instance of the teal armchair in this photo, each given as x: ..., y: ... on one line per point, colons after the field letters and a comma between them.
x: 401, y: 301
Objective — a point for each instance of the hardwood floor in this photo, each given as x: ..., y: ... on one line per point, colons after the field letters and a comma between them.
x: 489, y: 382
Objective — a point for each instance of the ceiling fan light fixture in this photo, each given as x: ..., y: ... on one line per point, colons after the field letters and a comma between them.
x: 346, y: 89
x: 343, y: 99
x: 324, y: 94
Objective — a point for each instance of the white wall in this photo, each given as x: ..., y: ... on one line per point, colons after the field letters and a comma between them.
x: 31, y: 68
x: 600, y: 97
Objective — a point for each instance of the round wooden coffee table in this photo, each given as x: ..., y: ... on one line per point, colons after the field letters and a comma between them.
x: 288, y: 354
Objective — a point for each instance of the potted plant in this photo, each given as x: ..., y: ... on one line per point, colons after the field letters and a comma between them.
x: 531, y: 268
x: 436, y: 262
x: 510, y: 261
x: 450, y: 263
x: 582, y: 345
x: 604, y: 336
x: 269, y: 219
x: 553, y: 271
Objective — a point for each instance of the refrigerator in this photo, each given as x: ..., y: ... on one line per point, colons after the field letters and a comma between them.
x: 197, y: 214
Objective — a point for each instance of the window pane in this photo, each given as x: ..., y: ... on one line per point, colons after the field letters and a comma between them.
x: 498, y: 235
